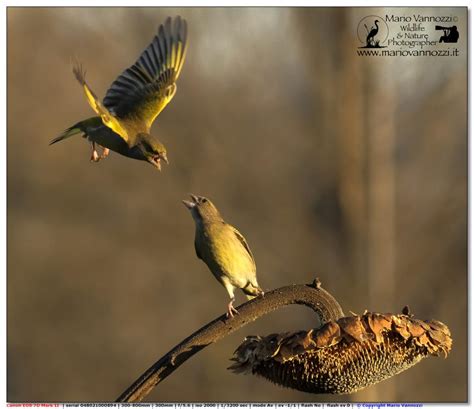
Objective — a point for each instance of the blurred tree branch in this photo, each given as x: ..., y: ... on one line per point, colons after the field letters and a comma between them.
x: 312, y: 295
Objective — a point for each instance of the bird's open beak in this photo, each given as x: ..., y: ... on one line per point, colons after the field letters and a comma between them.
x: 155, y: 161
x: 190, y: 204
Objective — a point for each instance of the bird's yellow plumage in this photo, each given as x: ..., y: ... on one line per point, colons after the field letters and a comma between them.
x: 136, y: 98
x: 107, y: 118
x: 224, y: 250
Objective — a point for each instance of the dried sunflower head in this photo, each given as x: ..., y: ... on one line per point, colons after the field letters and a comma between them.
x: 343, y: 356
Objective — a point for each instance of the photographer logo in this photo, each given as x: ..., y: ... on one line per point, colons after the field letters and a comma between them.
x: 372, y: 32
x: 451, y: 34
x: 409, y: 35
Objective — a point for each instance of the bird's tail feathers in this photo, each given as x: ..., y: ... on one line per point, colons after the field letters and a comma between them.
x: 252, y: 291
x: 71, y: 131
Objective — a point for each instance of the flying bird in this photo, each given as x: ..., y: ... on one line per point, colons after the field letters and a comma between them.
x: 224, y: 250
x: 135, y: 99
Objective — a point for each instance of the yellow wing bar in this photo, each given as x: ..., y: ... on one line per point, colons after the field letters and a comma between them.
x: 107, y: 118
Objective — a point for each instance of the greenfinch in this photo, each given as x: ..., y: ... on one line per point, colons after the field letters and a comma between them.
x: 135, y: 99
x: 224, y: 250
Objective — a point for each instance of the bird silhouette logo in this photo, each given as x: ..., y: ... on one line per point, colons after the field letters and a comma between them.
x: 372, y: 32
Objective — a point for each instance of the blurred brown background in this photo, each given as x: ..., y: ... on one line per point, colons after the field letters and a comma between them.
x: 352, y: 169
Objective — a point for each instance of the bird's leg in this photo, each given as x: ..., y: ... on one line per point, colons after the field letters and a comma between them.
x: 231, y: 309
x: 230, y: 290
x: 94, y: 155
x: 105, y: 152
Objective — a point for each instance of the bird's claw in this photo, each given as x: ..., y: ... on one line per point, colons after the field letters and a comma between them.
x: 105, y: 153
x: 230, y: 311
x: 95, y: 156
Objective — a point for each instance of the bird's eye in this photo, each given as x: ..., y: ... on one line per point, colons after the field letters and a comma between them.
x: 204, y: 200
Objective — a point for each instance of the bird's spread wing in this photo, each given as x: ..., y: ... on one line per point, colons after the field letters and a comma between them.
x: 143, y: 90
x: 243, y: 242
x: 107, y: 118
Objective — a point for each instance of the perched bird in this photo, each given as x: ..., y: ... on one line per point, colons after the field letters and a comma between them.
x: 135, y: 99
x: 224, y: 250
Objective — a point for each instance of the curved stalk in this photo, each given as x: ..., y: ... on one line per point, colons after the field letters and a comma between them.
x: 312, y: 295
